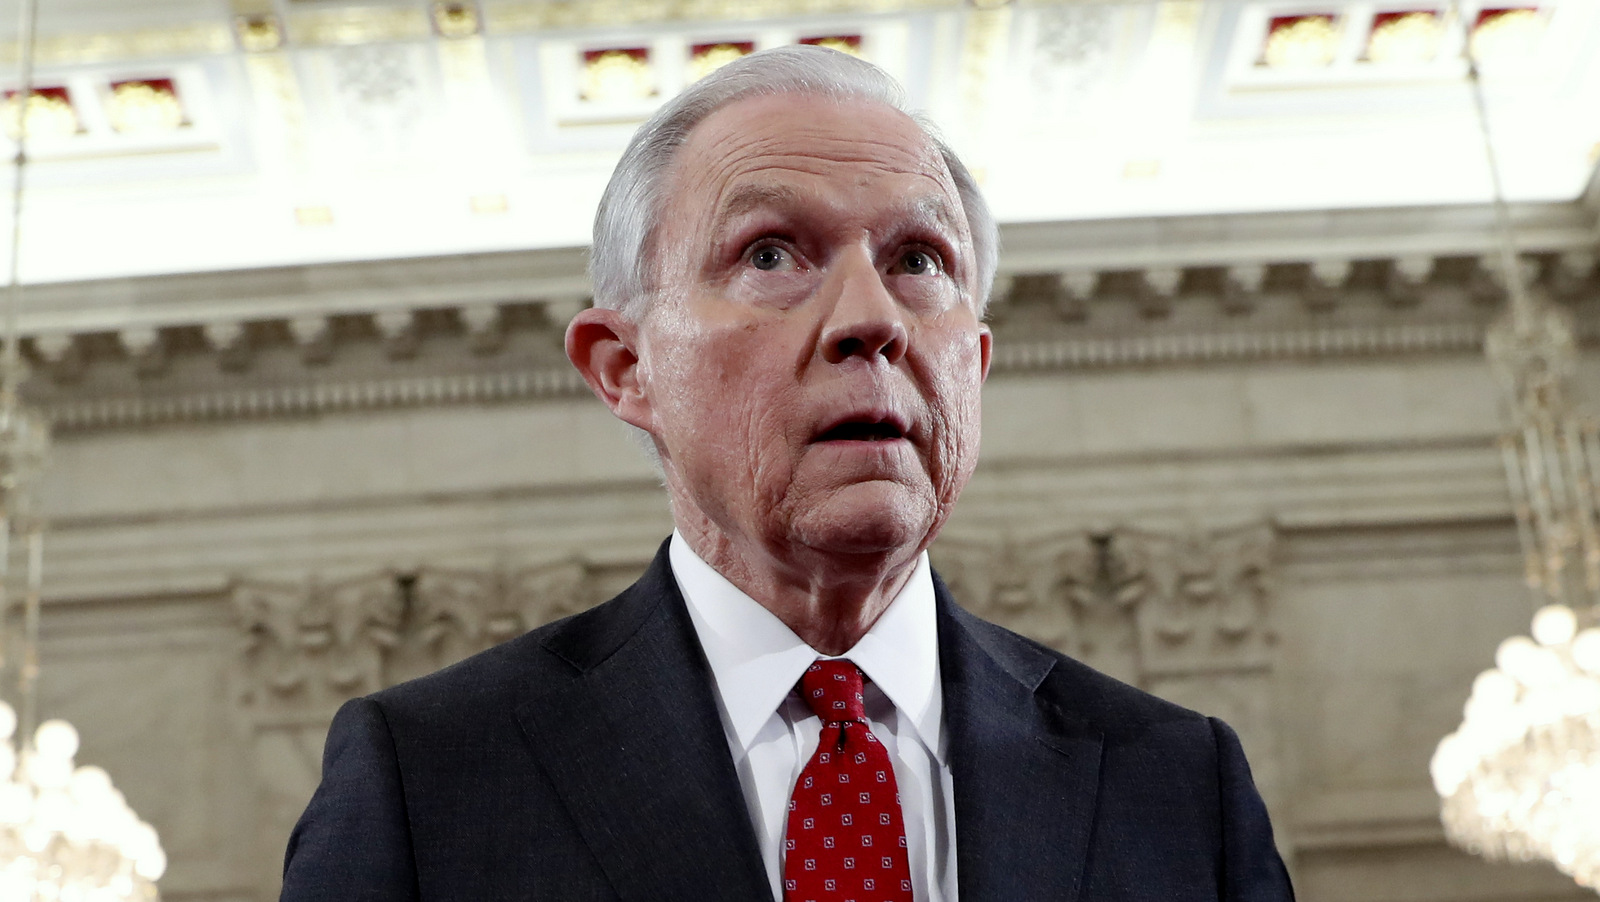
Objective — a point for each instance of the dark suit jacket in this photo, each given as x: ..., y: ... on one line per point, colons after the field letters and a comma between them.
x: 586, y: 761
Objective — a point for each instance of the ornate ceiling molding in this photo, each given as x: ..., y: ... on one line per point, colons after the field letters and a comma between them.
x: 305, y: 340
x: 1216, y: 347
x: 318, y: 25
x: 66, y: 49
x: 517, y: 16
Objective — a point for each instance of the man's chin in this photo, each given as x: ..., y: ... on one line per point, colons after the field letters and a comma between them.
x: 872, y: 518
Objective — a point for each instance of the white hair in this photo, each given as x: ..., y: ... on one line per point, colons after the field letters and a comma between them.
x: 622, y: 262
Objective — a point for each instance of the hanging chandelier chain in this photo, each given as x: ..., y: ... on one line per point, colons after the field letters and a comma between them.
x: 11, y: 365
x: 1552, y: 463
x: 1522, y: 304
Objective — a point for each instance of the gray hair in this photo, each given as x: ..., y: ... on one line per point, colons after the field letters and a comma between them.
x: 621, y: 263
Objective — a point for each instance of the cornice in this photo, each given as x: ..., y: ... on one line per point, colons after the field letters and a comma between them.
x: 485, y: 328
x: 309, y: 398
x: 1176, y: 347
x: 1234, y: 239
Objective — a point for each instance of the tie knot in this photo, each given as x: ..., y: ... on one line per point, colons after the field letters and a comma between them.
x: 833, y: 690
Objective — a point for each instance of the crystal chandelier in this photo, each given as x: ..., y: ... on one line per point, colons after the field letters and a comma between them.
x: 66, y: 834
x: 1520, y: 778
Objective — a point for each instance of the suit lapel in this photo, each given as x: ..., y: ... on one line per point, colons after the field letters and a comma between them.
x: 1025, y: 773
x: 635, y: 747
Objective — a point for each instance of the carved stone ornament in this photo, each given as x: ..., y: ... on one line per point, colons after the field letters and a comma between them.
x: 1133, y: 604
x: 309, y: 646
x: 1204, y: 599
x: 459, y: 612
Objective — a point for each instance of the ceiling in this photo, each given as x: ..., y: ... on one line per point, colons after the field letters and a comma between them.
x: 278, y: 132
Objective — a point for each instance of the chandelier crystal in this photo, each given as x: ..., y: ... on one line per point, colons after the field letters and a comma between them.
x: 1520, y: 779
x: 66, y: 833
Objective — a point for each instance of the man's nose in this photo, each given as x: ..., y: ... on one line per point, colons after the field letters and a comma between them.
x: 866, y: 320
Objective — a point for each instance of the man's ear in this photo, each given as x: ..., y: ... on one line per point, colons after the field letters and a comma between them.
x: 604, y: 347
x: 985, y: 350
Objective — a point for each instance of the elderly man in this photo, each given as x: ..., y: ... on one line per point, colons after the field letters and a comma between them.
x: 790, y: 274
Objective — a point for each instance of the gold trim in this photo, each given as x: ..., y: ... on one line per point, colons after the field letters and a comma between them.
x: 510, y: 16
x: 159, y: 150
x: 1508, y: 34
x: 839, y: 44
x: 988, y: 31
x: 1304, y: 42
x: 46, y: 115
x: 358, y: 25
x: 368, y: 24
x: 253, y: 8
x: 144, y: 107
x: 259, y: 33
x: 187, y: 40
x: 1412, y: 37
x: 618, y: 76
x: 713, y: 58
x: 454, y: 19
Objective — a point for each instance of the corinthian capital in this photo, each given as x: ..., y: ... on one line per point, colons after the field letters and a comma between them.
x: 310, y: 645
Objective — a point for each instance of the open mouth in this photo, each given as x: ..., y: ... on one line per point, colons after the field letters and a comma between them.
x: 863, y: 431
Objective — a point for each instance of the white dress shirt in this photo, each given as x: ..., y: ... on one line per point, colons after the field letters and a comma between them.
x: 756, y: 661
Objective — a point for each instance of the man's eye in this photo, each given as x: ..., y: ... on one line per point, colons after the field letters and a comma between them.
x: 919, y: 263
x: 769, y: 258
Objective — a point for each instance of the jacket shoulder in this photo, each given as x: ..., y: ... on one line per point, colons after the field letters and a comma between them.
x: 495, y: 678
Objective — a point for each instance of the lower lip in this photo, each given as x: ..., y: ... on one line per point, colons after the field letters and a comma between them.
x: 883, y: 444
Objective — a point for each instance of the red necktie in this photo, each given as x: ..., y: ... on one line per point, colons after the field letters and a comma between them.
x: 846, y: 841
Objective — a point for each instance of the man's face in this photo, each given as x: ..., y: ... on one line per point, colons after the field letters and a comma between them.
x: 813, y: 359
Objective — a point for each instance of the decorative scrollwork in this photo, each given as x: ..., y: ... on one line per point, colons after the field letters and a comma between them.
x: 1206, y: 597
x: 458, y: 612
x: 312, y: 643
x: 1134, y: 604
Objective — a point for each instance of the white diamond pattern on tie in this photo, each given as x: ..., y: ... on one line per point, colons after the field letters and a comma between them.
x: 846, y: 840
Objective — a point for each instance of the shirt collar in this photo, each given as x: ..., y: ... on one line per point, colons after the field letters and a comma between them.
x: 756, y: 659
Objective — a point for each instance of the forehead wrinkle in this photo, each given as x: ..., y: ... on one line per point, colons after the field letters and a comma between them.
x: 826, y: 148
x: 924, y: 209
x: 754, y: 188
x: 818, y: 147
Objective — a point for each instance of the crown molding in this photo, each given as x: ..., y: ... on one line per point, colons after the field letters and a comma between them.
x: 303, y: 340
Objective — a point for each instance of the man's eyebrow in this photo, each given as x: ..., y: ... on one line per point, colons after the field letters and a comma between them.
x: 939, y: 209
